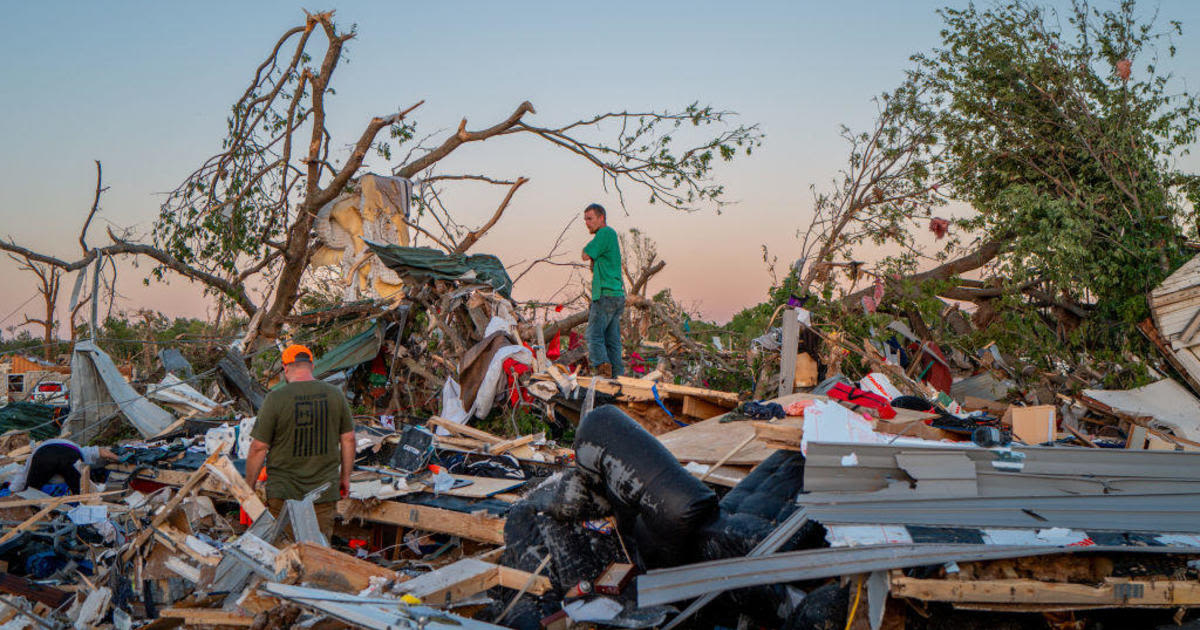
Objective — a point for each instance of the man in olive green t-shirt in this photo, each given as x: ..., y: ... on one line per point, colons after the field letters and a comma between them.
x: 608, y: 294
x: 305, y: 434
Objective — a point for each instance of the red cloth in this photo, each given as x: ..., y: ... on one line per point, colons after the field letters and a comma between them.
x: 516, y: 393
x: 554, y: 348
x: 863, y: 398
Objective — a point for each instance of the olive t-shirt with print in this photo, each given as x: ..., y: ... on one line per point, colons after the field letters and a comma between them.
x: 303, y: 423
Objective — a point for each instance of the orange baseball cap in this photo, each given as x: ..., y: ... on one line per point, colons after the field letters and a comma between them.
x: 294, y: 351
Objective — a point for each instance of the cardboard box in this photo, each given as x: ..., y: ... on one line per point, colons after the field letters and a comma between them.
x: 1031, y: 425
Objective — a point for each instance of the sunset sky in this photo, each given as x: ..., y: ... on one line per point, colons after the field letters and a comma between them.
x: 145, y: 87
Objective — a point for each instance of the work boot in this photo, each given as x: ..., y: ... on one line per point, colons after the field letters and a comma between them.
x: 604, y: 370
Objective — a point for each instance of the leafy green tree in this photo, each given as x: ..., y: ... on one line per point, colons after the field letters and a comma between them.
x: 1062, y: 133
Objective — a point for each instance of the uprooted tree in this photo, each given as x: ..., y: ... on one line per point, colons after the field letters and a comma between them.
x: 242, y: 223
x: 1062, y: 138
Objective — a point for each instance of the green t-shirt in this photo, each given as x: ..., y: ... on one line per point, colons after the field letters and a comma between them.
x: 605, y: 252
x: 303, y: 423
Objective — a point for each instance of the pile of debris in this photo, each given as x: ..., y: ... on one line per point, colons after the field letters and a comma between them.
x: 926, y: 493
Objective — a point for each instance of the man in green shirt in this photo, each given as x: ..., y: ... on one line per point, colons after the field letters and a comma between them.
x: 608, y: 294
x: 305, y: 434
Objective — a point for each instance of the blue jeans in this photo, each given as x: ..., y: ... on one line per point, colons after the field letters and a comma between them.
x: 604, y: 332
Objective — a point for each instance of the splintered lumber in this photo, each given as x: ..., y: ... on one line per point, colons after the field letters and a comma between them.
x: 16, y: 502
x: 478, y: 527
x: 468, y: 577
x: 207, y: 617
x: 1112, y: 592
x: 642, y: 390
x: 229, y: 476
x: 464, y: 430
x: 165, y: 512
x: 35, y: 519
x: 508, y: 445
x: 781, y: 435
x: 322, y: 567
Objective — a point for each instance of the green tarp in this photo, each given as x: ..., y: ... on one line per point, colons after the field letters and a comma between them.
x: 358, y: 349
x: 38, y: 419
x: 426, y: 262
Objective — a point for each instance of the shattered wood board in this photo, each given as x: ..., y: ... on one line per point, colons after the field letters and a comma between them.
x: 641, y: 389
x: 322, y: 567
x: 479, y: 527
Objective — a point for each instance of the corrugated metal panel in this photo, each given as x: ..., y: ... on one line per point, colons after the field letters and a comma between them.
x: 1154, y: 513
x: 674, y: 584
x: 1035, y: 470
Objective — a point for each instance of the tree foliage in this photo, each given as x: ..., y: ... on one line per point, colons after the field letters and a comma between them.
x: 1062, y: 132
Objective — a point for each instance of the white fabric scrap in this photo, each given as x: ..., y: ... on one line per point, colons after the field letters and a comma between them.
x: 850, y: 460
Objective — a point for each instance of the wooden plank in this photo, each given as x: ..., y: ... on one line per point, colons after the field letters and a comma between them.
x: 733, y: 451
x: 33, y: 520
x: 453, y: 582
x: 1161, y: 301
x: 15, y: 502
x: 707, y: 441
x: 322, y: 567
x: 1189, y: 332
x: 41, y: 593
x: 207, y: 617
x: 464, y: 430
x: 471, y: 444
x: 1114, y: 591
x: 237, y: 486
x: 517, y: 579
x: 164, y: 513
x: 479, y: 527
x: 700, y: 408
x: 1189, y: 369
x: 508, y: 445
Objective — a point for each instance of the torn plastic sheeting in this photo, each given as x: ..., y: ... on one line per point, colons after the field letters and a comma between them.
x: 98, y: 390
x: 172, y: 390
x: 485, y: 398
